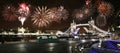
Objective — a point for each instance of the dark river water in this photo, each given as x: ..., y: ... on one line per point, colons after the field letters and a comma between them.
x: 35, y: 47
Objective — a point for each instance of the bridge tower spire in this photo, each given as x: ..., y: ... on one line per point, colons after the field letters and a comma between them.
x: 73, y: 27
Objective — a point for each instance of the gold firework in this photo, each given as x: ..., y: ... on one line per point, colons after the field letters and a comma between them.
x: 41, y: 17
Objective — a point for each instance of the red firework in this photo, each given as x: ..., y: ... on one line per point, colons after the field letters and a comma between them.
x: 23, y: 10
x: 105, y: 8
x: 9, y: 13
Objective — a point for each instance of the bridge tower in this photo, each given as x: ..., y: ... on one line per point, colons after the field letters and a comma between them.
x: 91, y: 29
x: 72, y: 27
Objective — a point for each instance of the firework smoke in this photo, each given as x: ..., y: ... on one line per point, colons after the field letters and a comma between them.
x: 105, y: 10
x: 101, y: 21
x: 9, y: 13
x: 41, y: 17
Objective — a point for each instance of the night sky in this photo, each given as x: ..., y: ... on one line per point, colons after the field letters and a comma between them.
x: 70, y: 5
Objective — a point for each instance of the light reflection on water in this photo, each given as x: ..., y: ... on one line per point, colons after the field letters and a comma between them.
x: 59, y: 47
x: 21, y: 48
x: 51, y: 46
x: 51, y: 49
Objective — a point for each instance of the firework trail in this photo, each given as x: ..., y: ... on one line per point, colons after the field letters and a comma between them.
x: 41, y: 17
x: 9, y: 13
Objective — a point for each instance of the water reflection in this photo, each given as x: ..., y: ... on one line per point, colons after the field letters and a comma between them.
x: 59, y: 47
x: 51, y: 46
x: 22, y: 47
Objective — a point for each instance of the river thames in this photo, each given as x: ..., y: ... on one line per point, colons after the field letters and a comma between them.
x: 35, y: 47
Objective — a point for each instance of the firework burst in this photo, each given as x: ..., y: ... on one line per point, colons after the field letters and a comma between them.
x: 88, y: 10
x: 78, y: 15
x: 9, y: 13
x: 24, y: 10
x: 63, y: 13
x: 85, y: 13
x: 58, y: 14
x: 105, y: 8
x: 53, y: 14
x: 41, y: 17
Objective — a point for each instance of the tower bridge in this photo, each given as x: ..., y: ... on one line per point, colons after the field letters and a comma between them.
x: 89, y: 27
